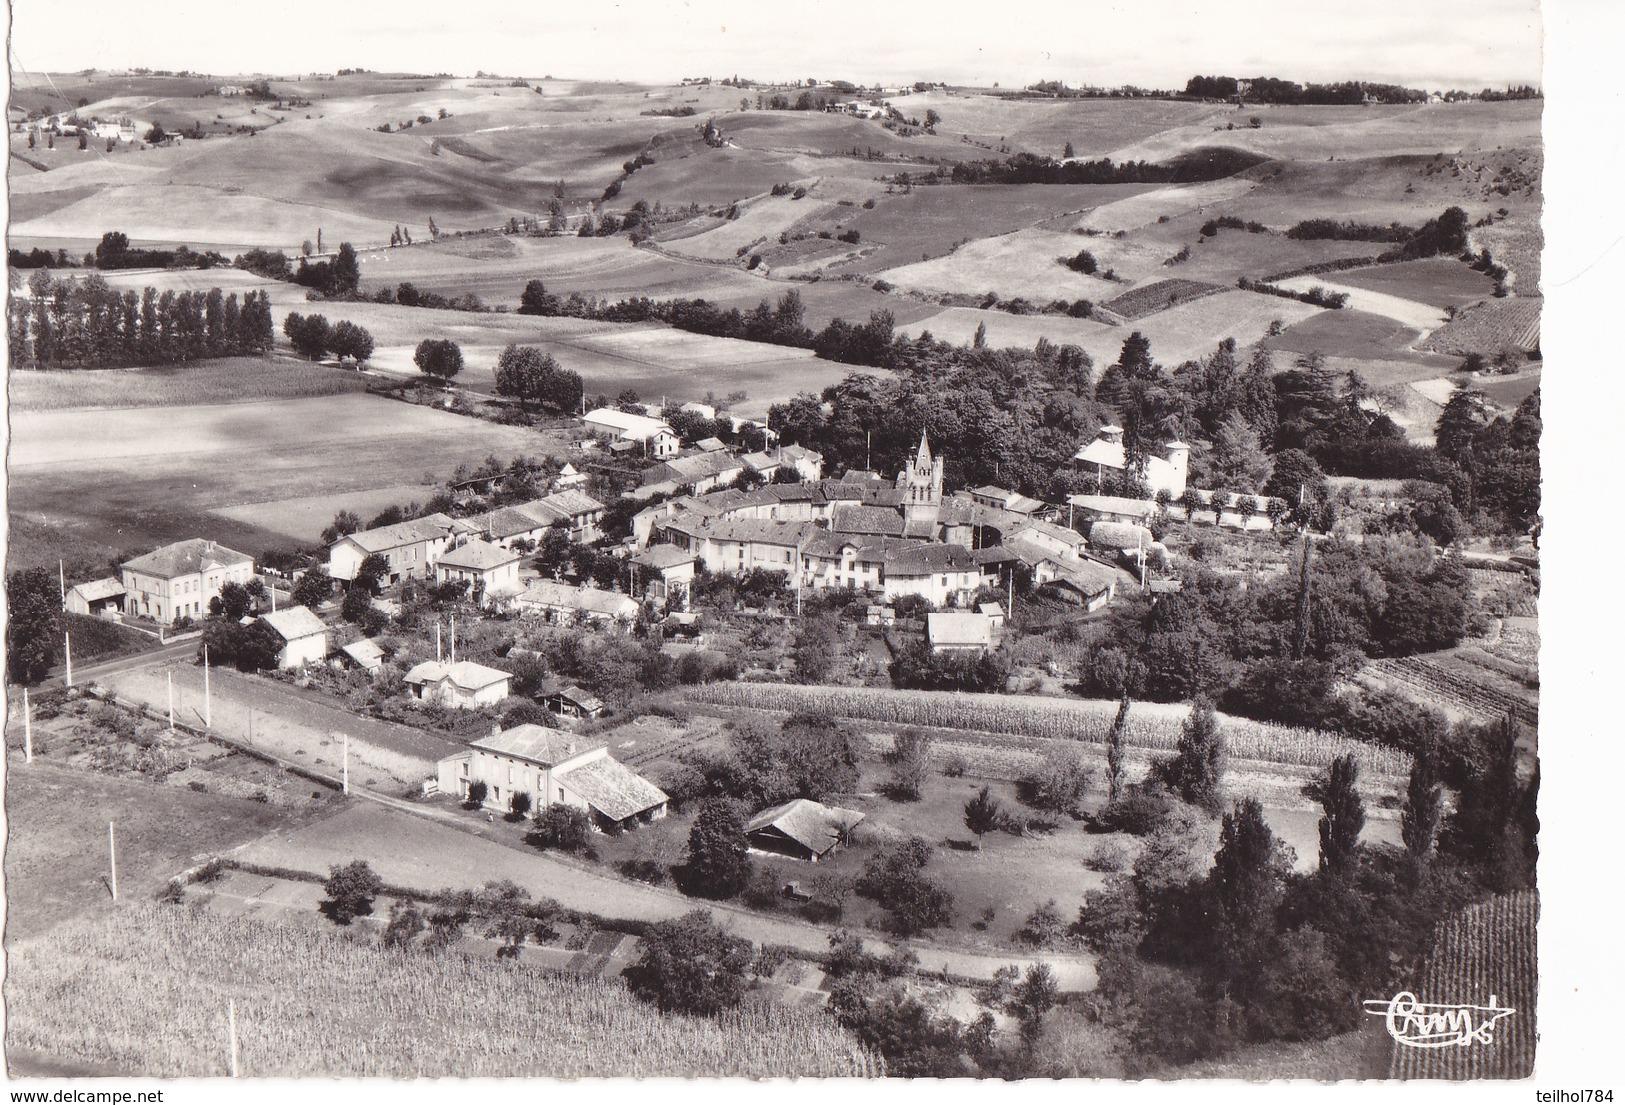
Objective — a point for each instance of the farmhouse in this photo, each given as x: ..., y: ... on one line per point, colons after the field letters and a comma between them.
x: 552, y: 766
x: 304, y: 637
x: 491, y: 572
x: 408, y: 548
x: 564, y: 603
x: 101, y: 598
x: 1165, y: 472
x: 463, y: 685
x: 801, y: 828
x: 578, y: 510
x: 739, y: 545
x: 959, y: 631
x: 179, y: 580
x: 1012, y: 501
x: 656, y: 438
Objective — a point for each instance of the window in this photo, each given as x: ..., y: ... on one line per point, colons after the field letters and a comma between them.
x: 496, y: 794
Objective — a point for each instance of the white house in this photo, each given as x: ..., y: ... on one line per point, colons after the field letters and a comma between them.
x: 1164, y: 472
x: 464, y: 685
x: 943, y: 575
x: 491, y: 572
x: 552, y: 766
x: 304, y: 637
x: 655, y: 436
x: 667, y: 573
x: 178, y: 580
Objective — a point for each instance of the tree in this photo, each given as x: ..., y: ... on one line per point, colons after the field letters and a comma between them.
x: 357, y: 604
x: 895, y: 878
x: 1304, y: 995
x: 1057, y: 784
x: 717, y: 864
x: 234, y: 601
x: 405, y: 924
x: 932, y: 118
x: 691, y: 966
x: 345, y: 522
x: 524, y: 373
x: 1295, y: 476
x: 1194, y: 772
x: 1035, y: 996
x: 439, y: 358
x: 1344, y: 817
x: 350, y: 340
x: 1419, y: 816
x: 310, y: 337
x: 983, y: 814
x: 313, y: 588
x: 1242, y: 893
x: 534, y: 300
x: 1116, y: 741
x: 563, y: 827
x: 816, y: 648
x: 1465, y: 414
x: 344, y: 274
x: 350, y: 890
x: 1068, y: 151
x: 370, y: 573
x: 1237, y: 460
x: 33, y: 624
x: 910, y: 760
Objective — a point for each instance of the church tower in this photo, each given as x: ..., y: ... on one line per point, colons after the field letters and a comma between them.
x: 921, y: 482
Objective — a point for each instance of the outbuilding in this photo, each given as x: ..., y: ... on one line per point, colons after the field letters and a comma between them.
x: 304, y: 637
x: 801, y: 828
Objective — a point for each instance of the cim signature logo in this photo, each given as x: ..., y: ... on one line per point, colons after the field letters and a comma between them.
x: 1415, y: 1024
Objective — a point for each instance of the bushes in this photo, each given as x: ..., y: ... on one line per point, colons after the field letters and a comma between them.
x: 563, y: 827
x: 1057, y: 784
x: 1083, y: 261
x: 894, y: 877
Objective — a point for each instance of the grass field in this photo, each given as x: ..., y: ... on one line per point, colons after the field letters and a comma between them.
x: 1023, y: 264
x: 147, y: 994
x: 1360, y: 334
x: 233, y: 380
x: 123, y: 481
x: 56, y: 847
x: 1406, y: 312
x: 1436, y: 281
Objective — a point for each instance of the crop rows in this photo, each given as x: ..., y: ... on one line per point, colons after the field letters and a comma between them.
x: 1160, y: 296
x: 144, y: 991
x: 1486, y: 950
x: 1489, y: 327
x: 1153, y: 727
x: 1433, y: 681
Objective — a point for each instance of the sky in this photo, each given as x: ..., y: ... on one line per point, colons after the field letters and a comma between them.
x: 1153, y: 43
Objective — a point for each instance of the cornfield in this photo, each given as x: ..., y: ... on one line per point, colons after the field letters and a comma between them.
x: 144, y: 991
x: 1152, y: 727
x: 1486, y: 950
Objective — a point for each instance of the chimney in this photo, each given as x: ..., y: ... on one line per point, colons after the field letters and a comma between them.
x: 570, y: 748
x: 496, y: 730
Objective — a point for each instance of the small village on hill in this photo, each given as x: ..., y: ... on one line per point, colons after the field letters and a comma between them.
x: 768, y: 577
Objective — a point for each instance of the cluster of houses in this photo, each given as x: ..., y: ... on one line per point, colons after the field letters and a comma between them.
x: 119, y: 130
x: 890, y: 538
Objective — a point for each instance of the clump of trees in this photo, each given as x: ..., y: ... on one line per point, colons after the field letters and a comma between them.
x: 530, y: 375
x: 340, y: 277
x: 895, y: 878
x: 438, y: 358
x: 314, y: 337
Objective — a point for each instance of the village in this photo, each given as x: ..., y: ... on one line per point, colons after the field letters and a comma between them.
x: 992, y: 655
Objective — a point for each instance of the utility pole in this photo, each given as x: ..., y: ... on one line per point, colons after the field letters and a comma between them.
x: 231, y: 1030
x: 112, y: 861
x: 67, y: 653
x: 208, y: 713
x: 28, y: 730
x: 169, y: 682
x: 62, y: 582
x: 454, y: 640
x: 346, y: 737
x: 437, y: 640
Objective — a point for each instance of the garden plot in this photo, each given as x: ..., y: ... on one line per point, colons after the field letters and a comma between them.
x: 760, y: 221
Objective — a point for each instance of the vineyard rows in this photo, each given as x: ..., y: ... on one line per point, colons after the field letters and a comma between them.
x: 145, y: 991
x: 1486, y: 950
x: 1137, y: 304
x: 1435, y: 682
x: 1152, y: 727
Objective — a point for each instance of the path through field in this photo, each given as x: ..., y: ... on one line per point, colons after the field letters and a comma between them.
x: 415, y: 852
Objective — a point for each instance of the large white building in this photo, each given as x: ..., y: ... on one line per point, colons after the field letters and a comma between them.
x: 1165, y: 468
x: 177, y: 581
x: 656, y: 437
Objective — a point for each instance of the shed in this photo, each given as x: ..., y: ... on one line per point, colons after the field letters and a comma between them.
x: 364, y: 654
x: 99, y: 598
x: 460, y: 686
x: 801, y: 828
x: 572, y: 701
x: 958, y: 631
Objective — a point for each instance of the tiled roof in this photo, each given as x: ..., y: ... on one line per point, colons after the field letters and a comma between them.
x: 536, y: 743
x: 813, y: 825
x: 1113, y: 504
x: 1119, y: 535
x: 612, y: 788
x: 512, y: 521
x: 877, y: 520
x: 592, y: 600
x: 662, y: 556
x: 186, y: 558
x: 293, y: 622
x: 381, y: 540
x: 364, y: 652
x: 580, y: 697
x: 464, y: 673
x: 631, y: 426
x: 98, y: 589
x: 924, y: 560
x: 478, y: 556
